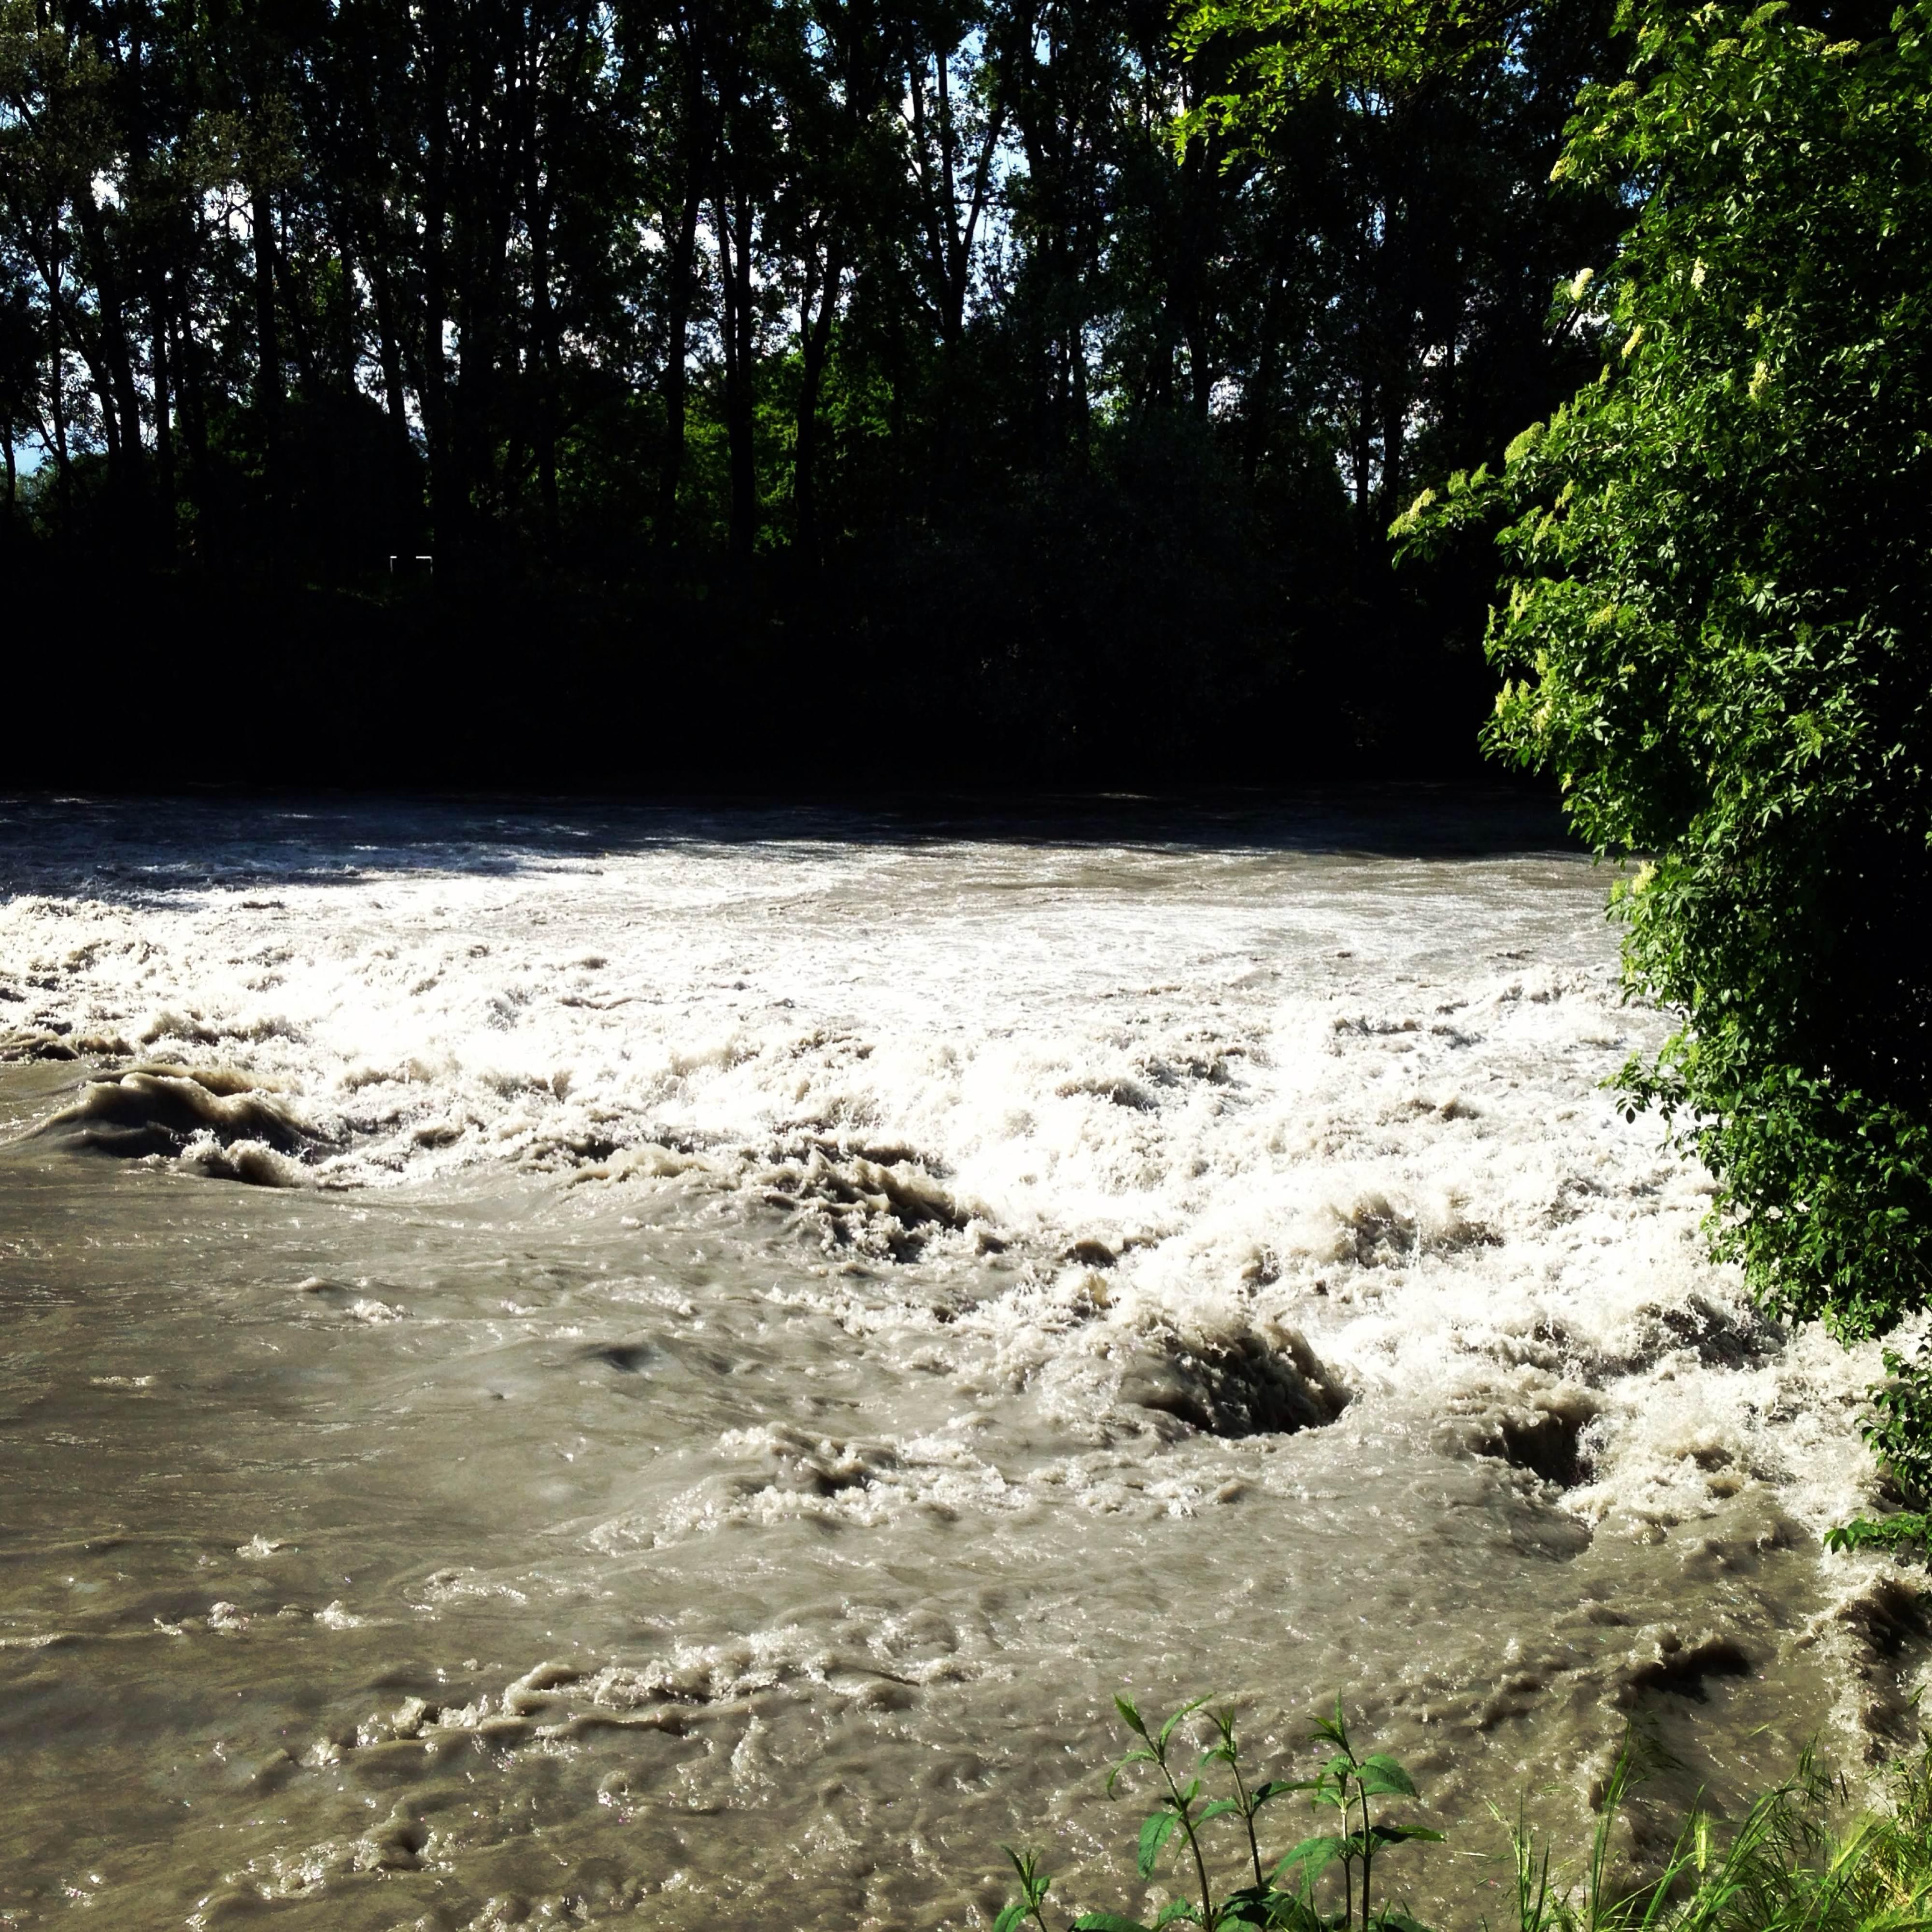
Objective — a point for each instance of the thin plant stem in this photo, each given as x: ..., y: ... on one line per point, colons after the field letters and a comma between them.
x: 1368, y: 1853
x: 1247, y: 1814
x: 1193, y: 1842
x: 1347, y: 1865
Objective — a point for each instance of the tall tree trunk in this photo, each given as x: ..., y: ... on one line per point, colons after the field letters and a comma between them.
x: 949, y: 238
x: 348, y: 305
x: 546, y: 358
x: 86, y: 342
x: 164, y: 401
x: 100, y: 377
x: 389, y: 350
x: 481, y: 346
x: 1364, y: 401
x: 540, y: 202
x: 684, y: 250
x: 815, y: 340
x: 57, y: 393
x: 1258, y: 400
x: 734, y: 221
x: 268, y: 360
x: 192, y: 402
x: 1394, y: 436
x: 445, y: 508
x: 116, y: 364
x: 1200, y: 175
x: 1083, y: 414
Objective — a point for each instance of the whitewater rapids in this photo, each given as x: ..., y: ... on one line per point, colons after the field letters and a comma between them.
x: 660, y: 1367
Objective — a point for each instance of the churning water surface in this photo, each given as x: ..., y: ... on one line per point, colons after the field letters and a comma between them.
x: 661, y: 1366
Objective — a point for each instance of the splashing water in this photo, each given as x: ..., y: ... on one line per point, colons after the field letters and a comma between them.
x: 748, y: 1326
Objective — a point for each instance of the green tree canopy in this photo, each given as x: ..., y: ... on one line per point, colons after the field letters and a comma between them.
x: 1266, y: 57
x: 790, y: 325
x: 1716, y: 626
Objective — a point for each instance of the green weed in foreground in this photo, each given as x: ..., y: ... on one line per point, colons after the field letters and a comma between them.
x: 1346, y: 1785
x: 1798, y: 1861
x: 1784, y: 1868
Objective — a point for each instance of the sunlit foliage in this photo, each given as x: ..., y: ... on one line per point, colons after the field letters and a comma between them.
x: 1715, y: 627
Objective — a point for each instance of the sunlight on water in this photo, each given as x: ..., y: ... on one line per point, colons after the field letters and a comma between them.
x: 749, y: 1327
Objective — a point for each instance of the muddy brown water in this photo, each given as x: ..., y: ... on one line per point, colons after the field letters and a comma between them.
x: 700, y: 1436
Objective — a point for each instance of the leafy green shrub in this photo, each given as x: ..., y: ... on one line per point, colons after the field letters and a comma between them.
x: 1715, y: 627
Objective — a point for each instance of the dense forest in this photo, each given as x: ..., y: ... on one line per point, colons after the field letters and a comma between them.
x: 736, y: 372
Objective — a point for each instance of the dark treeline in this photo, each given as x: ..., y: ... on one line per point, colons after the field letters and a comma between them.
x: 760, y: 368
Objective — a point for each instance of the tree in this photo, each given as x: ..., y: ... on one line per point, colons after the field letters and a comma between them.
x: 1716, y: 626
x: 800, y: 322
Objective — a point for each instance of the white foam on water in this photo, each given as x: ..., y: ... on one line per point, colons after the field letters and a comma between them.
x: 1139, y: 1155
x: 1357, y: 1096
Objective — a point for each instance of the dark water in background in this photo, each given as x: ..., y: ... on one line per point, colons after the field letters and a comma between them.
x: 770, y: 1318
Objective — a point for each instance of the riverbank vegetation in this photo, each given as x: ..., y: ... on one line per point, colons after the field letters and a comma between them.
x: 1804, y: 1857
x: 1713, y: 629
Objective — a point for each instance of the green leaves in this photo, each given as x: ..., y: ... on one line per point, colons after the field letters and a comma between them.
x: 1167, y: 1730
x: 1380, y: 1775
x: 1346, y: 1783
x: 1313, y: 1856
x: 1778, y: 1866
x: 1034, y: 1884
x: 1154, y: 1834
x: 1712, y: 633
x: 1275, y: 52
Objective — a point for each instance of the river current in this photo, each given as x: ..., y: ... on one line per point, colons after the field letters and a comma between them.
x: 661, y: 1366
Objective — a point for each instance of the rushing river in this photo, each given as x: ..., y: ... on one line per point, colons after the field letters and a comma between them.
x: 661, y: 1366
